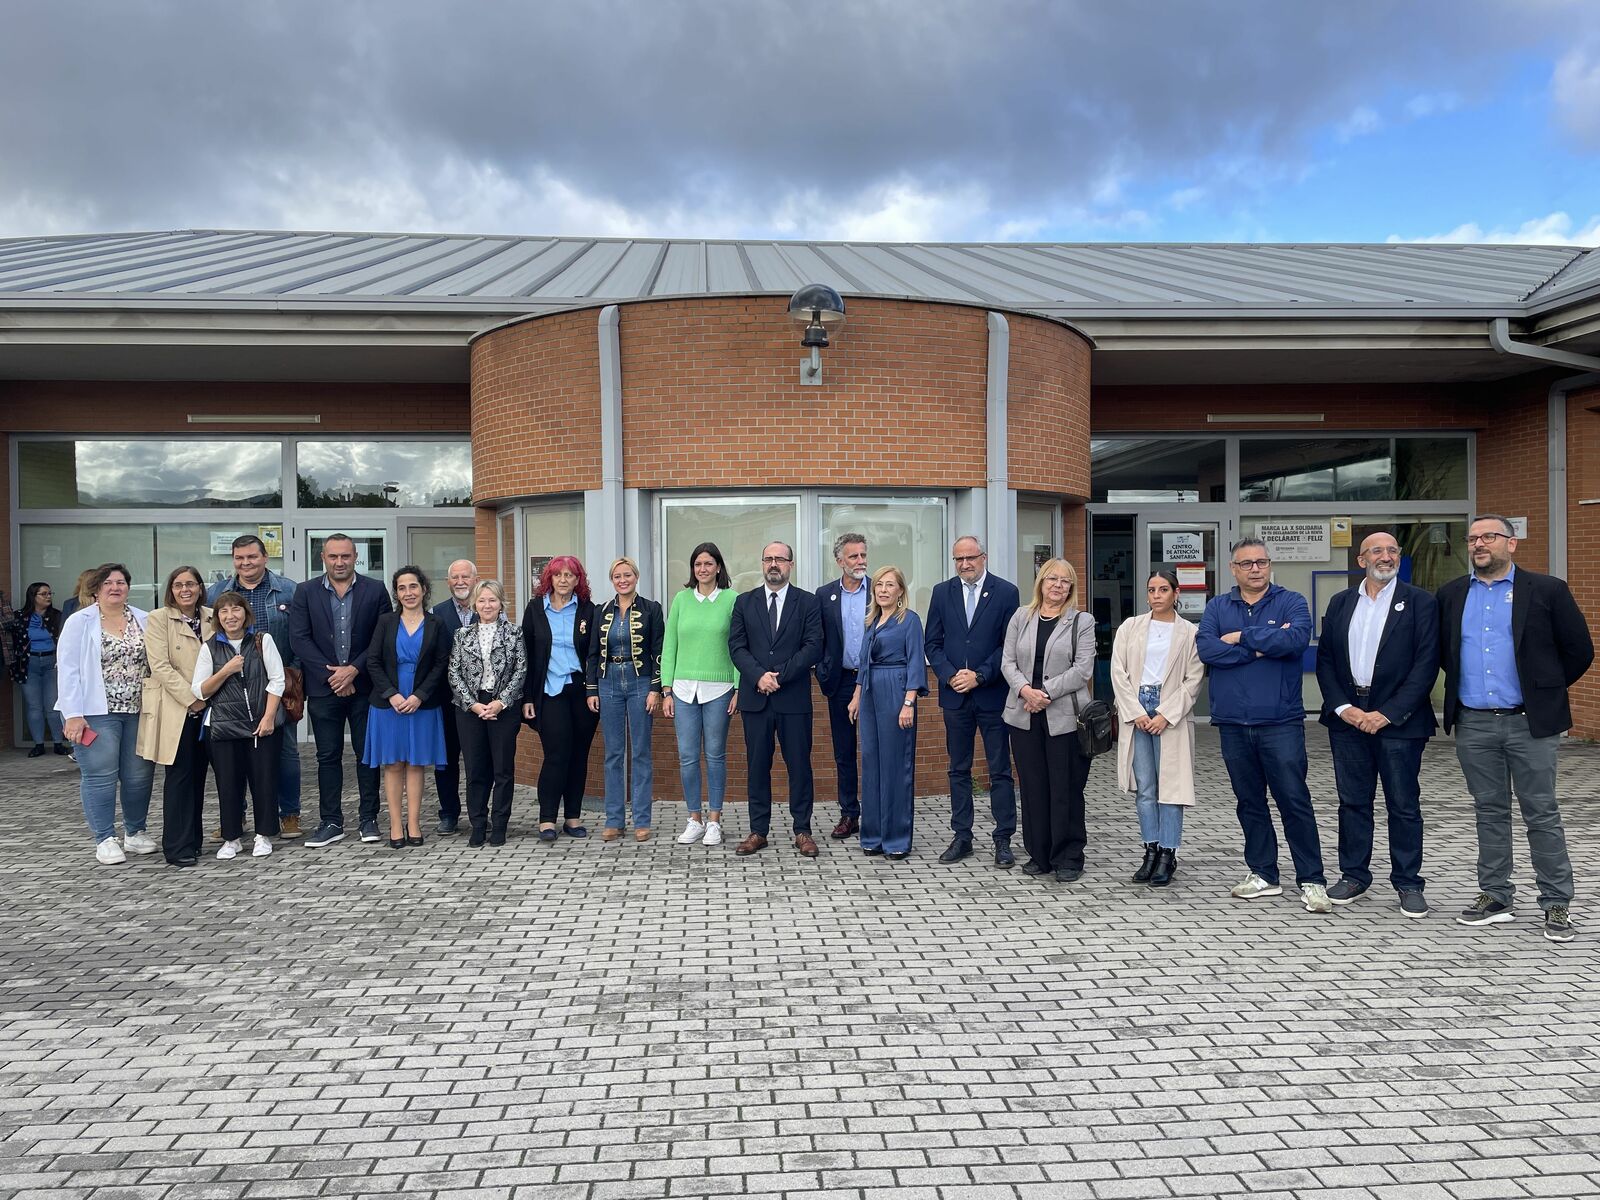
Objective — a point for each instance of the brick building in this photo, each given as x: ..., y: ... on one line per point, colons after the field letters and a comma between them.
x: 510, y: 399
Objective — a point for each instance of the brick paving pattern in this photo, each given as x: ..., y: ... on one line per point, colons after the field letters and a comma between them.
x: 596, y: 1022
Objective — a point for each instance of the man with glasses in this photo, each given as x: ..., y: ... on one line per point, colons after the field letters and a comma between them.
x: 1377, y: 659
x: 1253, y: 638
x: 1512, y: 643
x: 775, y: 638
x: 844, y: 624
x: 967, y: 619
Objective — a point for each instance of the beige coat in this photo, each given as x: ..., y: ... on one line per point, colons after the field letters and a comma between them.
x: 172, y: 648
x: 1180, y: 688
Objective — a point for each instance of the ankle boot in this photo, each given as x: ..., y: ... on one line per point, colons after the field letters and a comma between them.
x: 1166, y: 864
x: 1149, y: 863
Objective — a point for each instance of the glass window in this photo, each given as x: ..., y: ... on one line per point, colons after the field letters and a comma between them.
x: 740, y: 527
x: 549, y: 530
x: 56, y: 554
x: 133, y: 473
x: 1036, y: 538
x: 1352, y: 469
x: 384, y: 474
x: 907, y: 533
x: 210, y: 547
x: 1156, y: 470
x: 507, y: 546
x: 435, y: 549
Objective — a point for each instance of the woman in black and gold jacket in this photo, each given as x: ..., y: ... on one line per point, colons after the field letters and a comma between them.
x: 624, y: 682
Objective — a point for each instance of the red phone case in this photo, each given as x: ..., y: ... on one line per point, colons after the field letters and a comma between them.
x: 88, y: 737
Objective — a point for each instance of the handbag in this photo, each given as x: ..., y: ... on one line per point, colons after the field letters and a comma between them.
x: 294, y: 690
x: 1097, y: 724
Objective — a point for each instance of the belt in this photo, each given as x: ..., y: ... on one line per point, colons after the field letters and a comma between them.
x: 1498, y: 712
x: 612, y: 658
x: 41, y: 653
x: 1363, y: 692
x: 849, y: 670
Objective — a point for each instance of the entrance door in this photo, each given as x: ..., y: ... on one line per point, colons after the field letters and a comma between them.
x: 1191, y: 548
x: 372, y: 551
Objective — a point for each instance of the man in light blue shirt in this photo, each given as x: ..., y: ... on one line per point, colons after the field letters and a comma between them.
x: 844, y: 624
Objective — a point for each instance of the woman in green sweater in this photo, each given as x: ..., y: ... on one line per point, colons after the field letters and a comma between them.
x: 697, y: 687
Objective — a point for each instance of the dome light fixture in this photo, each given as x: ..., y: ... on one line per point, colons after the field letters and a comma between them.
x: 817, y: 306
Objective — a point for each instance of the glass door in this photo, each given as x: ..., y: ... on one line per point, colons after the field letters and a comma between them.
x: 1192, y: 549
x: 372, y: 550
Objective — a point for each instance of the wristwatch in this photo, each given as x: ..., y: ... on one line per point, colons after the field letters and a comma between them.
x: 909, y: 704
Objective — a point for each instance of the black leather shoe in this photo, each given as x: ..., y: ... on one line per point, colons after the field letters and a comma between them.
x: 37, y: 751
x: 497, y: 837
x: 413, y: 839
x: 872, y: 851
x: 446, y: 825
x: 1166, y: 864
x: 398, y: 843
x: 1068, y: 874
x: 1034, y: 867
x: 477, y: 836
x: 1142, y: 875
x: 956, y: 851
x: 898, y: 855
x: 1003, y: 858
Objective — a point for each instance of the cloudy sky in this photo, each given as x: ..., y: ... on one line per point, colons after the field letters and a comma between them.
x: 1092, y: 120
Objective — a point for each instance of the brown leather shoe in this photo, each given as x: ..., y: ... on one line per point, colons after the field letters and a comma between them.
x: 804, y: 844
x: 289, y: 826
x: 751, y: 844
x: 845, y: 827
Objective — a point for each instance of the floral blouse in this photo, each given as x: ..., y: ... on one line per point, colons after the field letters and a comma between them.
x: 123, y: 666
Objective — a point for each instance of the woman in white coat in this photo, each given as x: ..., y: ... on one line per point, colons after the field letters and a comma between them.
x: 1155, y: 677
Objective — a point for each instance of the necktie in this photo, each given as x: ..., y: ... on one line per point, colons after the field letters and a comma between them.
x: 972, y: 600
x: 772, y: 613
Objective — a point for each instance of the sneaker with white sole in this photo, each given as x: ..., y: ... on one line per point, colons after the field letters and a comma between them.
x: 692, y: 833
x: 713, y: 833
x: 109, y: 852
x: 138, y: 843
x: 229, y: 849
x: 1254, y: 886
x: 263, y: 847
x: 1315, y: 897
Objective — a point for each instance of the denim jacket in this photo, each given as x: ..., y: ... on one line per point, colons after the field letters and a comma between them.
x: 281, y: 592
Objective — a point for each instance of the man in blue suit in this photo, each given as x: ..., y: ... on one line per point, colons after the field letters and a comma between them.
x: 844, y: 624
x: 967, y: 619
x: 456, y: 611
x: 331, y: 622
x: 775, y: 638
x: 1377, y: 660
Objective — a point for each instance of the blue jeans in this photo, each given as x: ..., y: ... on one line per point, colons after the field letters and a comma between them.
x: 289, y: 769
x: 1259, y: 757
x: 1159, y: 823
x: 39, y: 691
x: 626, y: 727
x: 702, y: 725
x: 109, y: 761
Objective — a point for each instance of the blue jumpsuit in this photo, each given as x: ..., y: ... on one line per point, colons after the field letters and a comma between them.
x: 892, y: 664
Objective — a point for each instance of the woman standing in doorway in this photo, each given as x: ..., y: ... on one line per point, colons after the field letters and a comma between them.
x: 34, y: 631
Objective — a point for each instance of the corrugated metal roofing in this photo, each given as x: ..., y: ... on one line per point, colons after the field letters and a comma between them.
x: 533, y: 272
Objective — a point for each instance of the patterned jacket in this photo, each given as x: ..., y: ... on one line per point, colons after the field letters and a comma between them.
x: 646, y: 629
x: 508, y: 657
x: 16, y: 631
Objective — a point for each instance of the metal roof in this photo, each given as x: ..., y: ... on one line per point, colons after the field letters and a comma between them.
x: 221, y: 268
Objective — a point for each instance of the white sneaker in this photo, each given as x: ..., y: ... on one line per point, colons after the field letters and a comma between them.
x: 110, y: 852
x: 229, y: 849
x: 1254, y: 886
x: 1315, y: 897
x: 713, y: 833
x: 692, y: 832
x: 138, y: 843
x: 263, y: 847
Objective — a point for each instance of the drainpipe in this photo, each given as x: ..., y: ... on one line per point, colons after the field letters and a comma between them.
x: 1000, y: 513
x: 1555, y: 424
x: 606, y: 536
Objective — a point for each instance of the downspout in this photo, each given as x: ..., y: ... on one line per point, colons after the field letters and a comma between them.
x: 1001, y: 506
x: 1555, y: 424
x: 605, y: 537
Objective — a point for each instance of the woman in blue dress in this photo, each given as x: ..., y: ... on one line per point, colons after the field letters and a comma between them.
x: 408, y: 661
x: 894, y: 673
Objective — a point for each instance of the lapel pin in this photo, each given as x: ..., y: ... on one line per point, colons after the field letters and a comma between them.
x: 835, y: 597
x: 1401, y: 607
x: 983, y: 596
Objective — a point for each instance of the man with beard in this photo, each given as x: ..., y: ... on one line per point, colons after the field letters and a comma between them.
x: 456, y: 612
x: 844, y: 622
x: 1512, y: 643
x: 1376, y: 662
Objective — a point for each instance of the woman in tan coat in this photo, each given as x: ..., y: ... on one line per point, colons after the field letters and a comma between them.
x: 170, y: 716
x: 1155, y: 677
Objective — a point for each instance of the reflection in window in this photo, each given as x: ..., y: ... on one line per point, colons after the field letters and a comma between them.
x: 1156, y: 470
x: 1352, y: 469
x: 384, y: 474
x: 1036, y: 539
x: 134, y: 473
x: 435, y: 549
x: 549, y: 530
x: 739, y: 527
x: 210, y: 547
x: 909, y: 534
x: 57, y: 554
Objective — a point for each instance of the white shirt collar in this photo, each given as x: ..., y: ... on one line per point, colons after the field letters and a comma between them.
x: 703, y: 598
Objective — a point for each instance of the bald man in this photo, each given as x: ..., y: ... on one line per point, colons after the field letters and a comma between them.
x: 455, y: 612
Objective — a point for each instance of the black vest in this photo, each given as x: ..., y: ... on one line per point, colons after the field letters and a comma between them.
x: 237, y: 705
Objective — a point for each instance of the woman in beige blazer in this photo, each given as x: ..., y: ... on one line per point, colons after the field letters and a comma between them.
x: 170, y: 716
x: 1047, y: 661
x: 1155, y: 677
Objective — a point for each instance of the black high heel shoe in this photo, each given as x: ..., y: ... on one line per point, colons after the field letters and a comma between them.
x: 413, y: 839
x: 397, y: 843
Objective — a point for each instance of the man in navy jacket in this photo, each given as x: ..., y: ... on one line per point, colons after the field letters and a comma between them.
x: 844, y: 624
x: 456, y: 611
x: 1377, y: 661
x: 967, y: 619
x: 1253, y: 638
x: 331, y: 621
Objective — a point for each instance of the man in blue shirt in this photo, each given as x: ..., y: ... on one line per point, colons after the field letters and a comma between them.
x: 1254, y: 639
x: 1512, y: 642
x: 844, y: 624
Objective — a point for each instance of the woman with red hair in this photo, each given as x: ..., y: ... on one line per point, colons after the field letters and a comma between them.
x: 556, y: 627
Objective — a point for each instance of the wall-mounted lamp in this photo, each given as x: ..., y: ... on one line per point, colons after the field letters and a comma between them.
x: 818, y: 306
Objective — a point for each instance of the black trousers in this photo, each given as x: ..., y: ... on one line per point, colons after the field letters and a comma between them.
x: 792, y: 732
x: 843, y: 730
x: 329, y: 716
x: 566, y: 730
x: 183, y: 795
x: 490, y: 751
x: 447, y: 779
x: 1052, y: 770
x: 236, y: 761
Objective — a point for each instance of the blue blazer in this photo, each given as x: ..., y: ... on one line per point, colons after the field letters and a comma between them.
x: 953, y: 647
x: 311, y: 631
x: 791, y: 654
x: 1405, y: 670
x: 445, y: 610
x: 830, y: 667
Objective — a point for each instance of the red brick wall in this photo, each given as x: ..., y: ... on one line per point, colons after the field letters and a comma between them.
x: 1048, y: 423
x: 1514, y: 463
x: 1583, y: 541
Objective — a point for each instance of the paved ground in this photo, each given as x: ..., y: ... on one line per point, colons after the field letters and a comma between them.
x: 590, y: 1021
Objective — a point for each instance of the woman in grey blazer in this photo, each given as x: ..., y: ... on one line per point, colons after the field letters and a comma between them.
x: 1048, y: 661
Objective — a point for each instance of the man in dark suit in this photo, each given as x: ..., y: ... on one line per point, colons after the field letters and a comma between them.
x: 967, y: 619
x: 844, y: 622
x: 455, y: 611
x: 1377, y: 659
x: 331, y: 621
x: 1512, y: 643
x: 775, y: 638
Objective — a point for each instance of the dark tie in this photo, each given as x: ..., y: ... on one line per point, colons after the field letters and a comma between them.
x: 772, y: 613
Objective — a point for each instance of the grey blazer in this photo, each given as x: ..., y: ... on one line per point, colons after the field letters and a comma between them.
x: 1066, y: 669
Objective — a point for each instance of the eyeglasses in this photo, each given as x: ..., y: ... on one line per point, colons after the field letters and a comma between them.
x: 1246, y: 564
x: 767, y: 560
x: 1474, y: 538
x: 961, y: 558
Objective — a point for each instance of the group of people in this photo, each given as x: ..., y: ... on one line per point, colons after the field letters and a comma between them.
x: 217, y: 678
